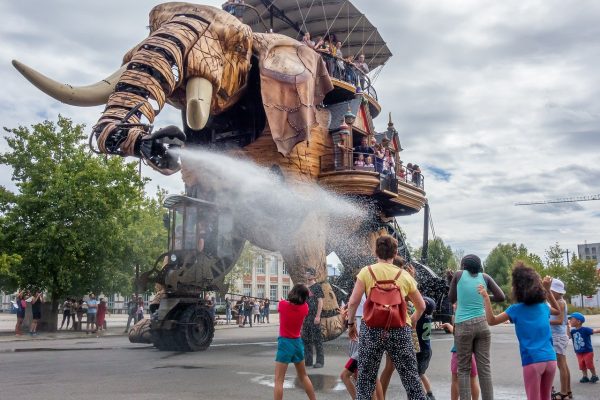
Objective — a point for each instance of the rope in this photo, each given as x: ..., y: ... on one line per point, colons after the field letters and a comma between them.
x: 364, y: 43
x: 336, y: 17
x: 353, y: 28
x: 325, y: 15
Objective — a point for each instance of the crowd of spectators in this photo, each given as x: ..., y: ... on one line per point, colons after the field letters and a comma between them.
x: 379, y: 158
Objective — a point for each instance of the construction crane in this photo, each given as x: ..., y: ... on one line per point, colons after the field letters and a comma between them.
x: 563, y: 200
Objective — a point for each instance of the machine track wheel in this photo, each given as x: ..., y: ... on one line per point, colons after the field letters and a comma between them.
x: 196, y: 329
x: 170, y: 340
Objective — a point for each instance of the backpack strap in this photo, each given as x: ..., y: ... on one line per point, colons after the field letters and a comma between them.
x: 398, y: 275
x: 372, y: 274
x: 386, y: 281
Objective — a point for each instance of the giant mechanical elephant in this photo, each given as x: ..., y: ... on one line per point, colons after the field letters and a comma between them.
x: 255, y: 95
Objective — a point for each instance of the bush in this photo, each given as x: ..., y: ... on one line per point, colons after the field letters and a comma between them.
x: 584, y: 310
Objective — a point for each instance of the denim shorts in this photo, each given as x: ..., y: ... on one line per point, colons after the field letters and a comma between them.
x: 289, y: 350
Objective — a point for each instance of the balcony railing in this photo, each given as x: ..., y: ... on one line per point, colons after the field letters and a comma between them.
x: 351, y: 161
x: 345, y: 71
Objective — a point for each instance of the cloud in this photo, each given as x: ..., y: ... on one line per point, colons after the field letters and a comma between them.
x: 498, y: 100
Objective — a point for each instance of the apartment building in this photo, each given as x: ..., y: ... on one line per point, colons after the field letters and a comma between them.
x: 588, y: 251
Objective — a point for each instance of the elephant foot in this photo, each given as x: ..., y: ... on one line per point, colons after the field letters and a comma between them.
x: 140, y: 333
x: 332, y: 322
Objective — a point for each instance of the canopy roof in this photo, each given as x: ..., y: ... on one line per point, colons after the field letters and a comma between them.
x: 320, y: 18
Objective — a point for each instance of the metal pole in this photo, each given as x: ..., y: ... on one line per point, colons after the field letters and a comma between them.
x: 425, y: 234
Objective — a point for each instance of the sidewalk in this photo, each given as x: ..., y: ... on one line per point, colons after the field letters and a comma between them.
x: 116, y: 324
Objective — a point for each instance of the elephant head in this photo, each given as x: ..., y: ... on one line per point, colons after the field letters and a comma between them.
x: 198, y: 59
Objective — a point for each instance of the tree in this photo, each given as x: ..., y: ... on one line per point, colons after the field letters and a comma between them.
x: 440, y: 257
x: 582, y: 278
x: 69, y: 219
x: 555, y: 266
x: 242, y: 267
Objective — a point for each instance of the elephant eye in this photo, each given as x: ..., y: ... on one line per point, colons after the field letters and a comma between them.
x: 239, y: 48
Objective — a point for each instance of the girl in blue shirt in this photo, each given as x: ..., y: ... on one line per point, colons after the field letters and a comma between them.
x: 530, y: 315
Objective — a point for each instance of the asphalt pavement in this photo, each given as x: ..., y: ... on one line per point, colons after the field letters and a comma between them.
x: 238, y: 365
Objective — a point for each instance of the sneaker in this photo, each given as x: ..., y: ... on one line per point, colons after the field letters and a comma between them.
x: 318, y: 365
x: 585, y: 379
x: 594, y: 379
x: 430, y: 396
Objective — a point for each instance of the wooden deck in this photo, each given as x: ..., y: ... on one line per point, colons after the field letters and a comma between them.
x: 408, y: 200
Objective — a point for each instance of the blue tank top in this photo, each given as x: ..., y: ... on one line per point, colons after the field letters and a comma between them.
x: 469, y: 301
x: 559, y: 330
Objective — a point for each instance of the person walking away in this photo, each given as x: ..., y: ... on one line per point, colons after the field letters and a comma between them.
x: 239, y: 306
x: 140, y: 310
x: 36, y: 311
x: 66, y: 313
x: 21, y: 307
x: 256, y: 312
x: 424, y: 334
x: 101, y: 314
x: 582, y: 343
x: 266, y: 311
x: 290, y: 348
x: 92, y: 312
x: 227, y: 310
x: 560, y: 340
x: 131, y: 311
x: 311, y: 329
x: 385, y: 286
x: 530, y: 316
x: 79, y: 313
x: 248, y: 306
x: 471, y: 332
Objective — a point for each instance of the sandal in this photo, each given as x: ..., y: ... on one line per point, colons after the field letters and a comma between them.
x: 570, y: 394
x: 559, y: 396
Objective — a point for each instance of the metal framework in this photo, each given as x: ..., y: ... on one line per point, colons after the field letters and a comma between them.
x: 591, y: 197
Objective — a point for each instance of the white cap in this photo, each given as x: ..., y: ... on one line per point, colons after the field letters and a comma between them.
x: 558, y: 286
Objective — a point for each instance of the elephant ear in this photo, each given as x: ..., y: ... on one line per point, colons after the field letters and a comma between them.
x: 294, y: 80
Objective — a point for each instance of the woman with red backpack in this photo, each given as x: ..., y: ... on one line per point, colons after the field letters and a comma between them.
x: 386, y: 326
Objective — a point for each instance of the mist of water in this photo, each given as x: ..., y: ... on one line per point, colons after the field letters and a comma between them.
x: 265, y: 206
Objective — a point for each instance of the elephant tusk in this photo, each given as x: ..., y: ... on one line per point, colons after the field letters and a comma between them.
x: 92, y: 95
x: 198, y: 93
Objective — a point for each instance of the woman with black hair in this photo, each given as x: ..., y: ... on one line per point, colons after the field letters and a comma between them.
x: 530, y: 315
x: 290, y: 348
x: 471, y: 332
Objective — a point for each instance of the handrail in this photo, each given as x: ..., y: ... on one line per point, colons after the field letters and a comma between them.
x: 343, y: 70
x: 350, y: 161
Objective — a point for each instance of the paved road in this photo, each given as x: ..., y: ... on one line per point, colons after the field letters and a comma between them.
x: 239, y: 365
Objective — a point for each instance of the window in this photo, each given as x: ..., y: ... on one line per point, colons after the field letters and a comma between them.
x: 587, y: 250
x: 260, y: 265
x: 593, y: 250
x: 587, y: 257
x: 285, y: 289
x: 274, y: 266
x: 594, y: 258
x: 247, y: 289
x: 111, y: 301
x: 273, y: 293
x: 260, y: 291
x: 284, y: 269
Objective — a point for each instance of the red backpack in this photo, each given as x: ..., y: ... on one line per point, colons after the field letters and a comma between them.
x: 385, y: 306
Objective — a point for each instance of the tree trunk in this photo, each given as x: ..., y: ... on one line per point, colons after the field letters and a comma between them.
x: 49, y: 320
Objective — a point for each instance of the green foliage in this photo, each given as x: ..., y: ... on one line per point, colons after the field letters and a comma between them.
x: 79, y: 221
x: 582, y: 277
x: 8, y: 279
x: 242, y: 267
x: 499, y: 262
x: 440, y: 257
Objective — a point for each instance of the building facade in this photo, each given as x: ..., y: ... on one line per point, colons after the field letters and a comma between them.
x: 267, y: 277
x: 588, y: 251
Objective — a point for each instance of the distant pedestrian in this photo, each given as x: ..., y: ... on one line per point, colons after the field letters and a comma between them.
x: 132, y: 307
x: 66, y: 313
x: 140, y: 310
x: 79, y: 312
x: 239, y: 306
x: 101, y: 315
x: 21, y: 307
x: 256, y: 312
x: 424, y: 325
x: 582, y: 343
x: 530, y: 317
x: 227, y: 310
x: 266, y: 310
x: 290, y: 348
x: 36, y: 311
x: 248, y: 305
x: 92, y: 313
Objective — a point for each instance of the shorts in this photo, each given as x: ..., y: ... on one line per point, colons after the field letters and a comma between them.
x: 37, y: 315
x: 586, y: 360
x: 20, y: 314
x: 423, y: 358
x: 91, y: 318
x: 289, y: 350
x: 352, y: 365
x: 560, y: 343
x: 454, y: 365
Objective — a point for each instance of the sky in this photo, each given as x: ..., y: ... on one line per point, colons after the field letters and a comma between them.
x: 498, y: 102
